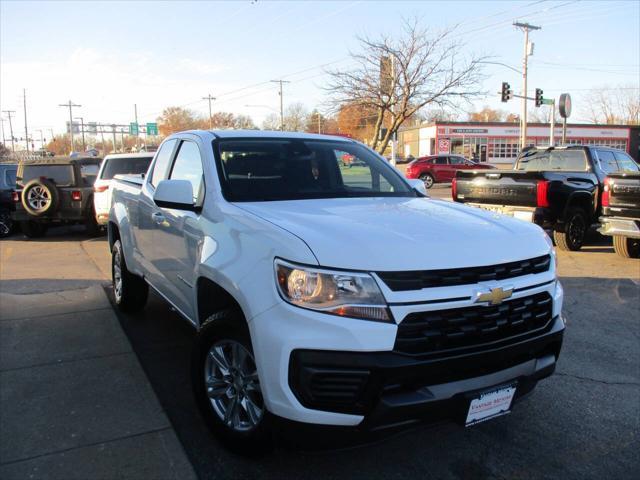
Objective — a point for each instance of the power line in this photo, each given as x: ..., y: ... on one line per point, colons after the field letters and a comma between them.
x: 209, y: 97
x: 281, y: 101
x: 70, y: 106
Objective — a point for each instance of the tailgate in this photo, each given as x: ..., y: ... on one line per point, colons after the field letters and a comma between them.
x: 498, y: 188
x: 624, y: 196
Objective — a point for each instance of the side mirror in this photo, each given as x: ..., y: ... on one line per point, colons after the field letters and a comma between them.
x: 176, y: 194
x: 418, y: 186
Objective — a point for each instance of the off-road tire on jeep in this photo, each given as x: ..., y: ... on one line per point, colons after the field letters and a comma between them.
x: 575, y: 230
x: 33, y: 229
x: 130, y: 291
x: 214, y: 346
x: 428, y: 180
x: 626, y: 247
x: 40, y: 197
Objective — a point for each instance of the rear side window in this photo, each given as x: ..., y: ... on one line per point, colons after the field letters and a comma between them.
x: 163, y: 158
x: 456, y: 160
x: 61, y: 175
x: 607, y: 161
x: 441, y: 161
x: 10, y: 178
x: 626, y: 163
x: 125, y: 166
x: 188, y: 166
x: 89, y: 172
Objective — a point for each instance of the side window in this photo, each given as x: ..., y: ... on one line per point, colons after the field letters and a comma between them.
x: 456, y: 160
x: 188, y: 166
x: 608, y: 162
x: 626, y: 163
x: 356, y: 174
x: 161, y: 166
x: 441, y: 161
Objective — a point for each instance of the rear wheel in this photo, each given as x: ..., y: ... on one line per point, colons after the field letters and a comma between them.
x: 626, y: 247
x: 33, y: 229
x: 575, y: 229
x: 427, y: 179
x: 129, y: 290
x: 226, y: 384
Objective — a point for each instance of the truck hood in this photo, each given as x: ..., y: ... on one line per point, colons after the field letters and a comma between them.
x: 391, y: 234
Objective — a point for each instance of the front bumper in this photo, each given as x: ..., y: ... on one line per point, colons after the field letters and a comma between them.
x: 390, y: 388
x: 625, y: 227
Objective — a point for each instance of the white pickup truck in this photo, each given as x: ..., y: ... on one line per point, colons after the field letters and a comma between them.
x: 332, y: 295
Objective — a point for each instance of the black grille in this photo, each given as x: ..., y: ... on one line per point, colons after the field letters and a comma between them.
x: 418, y: 279
x: 426, y: 332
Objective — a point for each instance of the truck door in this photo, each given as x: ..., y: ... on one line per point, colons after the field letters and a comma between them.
x: 178, y: 234
x: 145, y: 223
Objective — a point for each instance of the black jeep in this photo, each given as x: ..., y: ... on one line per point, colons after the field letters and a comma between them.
x: 55, y: 190
x: 7, y: 185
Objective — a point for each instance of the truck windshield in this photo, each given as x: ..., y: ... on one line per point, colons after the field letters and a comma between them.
x: 544, y: 160
x: 287, y: 169
x: 125, y: 166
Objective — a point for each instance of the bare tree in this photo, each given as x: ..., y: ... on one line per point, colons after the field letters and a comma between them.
x: 399, y: 76
x: 612, y: 105
x: 295, y: 117
x: 271, y: 122
x: 487, y: 114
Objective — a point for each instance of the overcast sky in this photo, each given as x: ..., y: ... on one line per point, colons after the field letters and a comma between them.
x: 107, y: 56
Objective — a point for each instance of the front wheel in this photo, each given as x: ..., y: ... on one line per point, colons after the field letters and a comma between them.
x: 575, y: 229
x: 129, y: 290
x: 626, y: 247
x: 226, y: 384
x: 427, y: 179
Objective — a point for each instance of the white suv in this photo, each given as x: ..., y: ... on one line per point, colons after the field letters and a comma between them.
x: 331, y: 295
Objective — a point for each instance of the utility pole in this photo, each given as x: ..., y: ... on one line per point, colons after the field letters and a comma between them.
x: 70, y: 106
x: 84, y: 145
x: 9, y: 112
x: 319, y: 123
x: 26, y: 132
x: 4, y: 142
x: 115, y: 148
x: 552, y: 121
x: 528, y: 50
x: 41, y: 139
x: 281, y: 102
x: 210, y: 98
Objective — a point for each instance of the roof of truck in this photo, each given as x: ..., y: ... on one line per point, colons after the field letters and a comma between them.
x: 62, y: 160
x: 270, y: 134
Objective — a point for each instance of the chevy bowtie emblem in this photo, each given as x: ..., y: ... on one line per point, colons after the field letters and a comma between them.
x: 495, y: 296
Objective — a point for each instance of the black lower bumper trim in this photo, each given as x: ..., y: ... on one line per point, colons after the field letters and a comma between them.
x: 389, y: 388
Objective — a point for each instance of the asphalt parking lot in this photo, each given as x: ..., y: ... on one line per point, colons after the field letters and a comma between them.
x: 583, y: 422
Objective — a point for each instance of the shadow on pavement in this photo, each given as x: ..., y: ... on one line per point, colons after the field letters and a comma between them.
x: 580, y: 423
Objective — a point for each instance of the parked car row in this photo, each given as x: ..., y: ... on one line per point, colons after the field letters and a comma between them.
x: 434, y: 169
x: 567, y: 190
x: 36, y: 194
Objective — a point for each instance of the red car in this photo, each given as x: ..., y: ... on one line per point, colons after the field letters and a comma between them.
x: 440, y: 168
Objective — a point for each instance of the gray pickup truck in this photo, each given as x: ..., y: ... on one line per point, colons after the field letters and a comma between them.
x: 621, y: 213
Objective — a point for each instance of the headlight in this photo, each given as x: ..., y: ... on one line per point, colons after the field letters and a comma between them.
x: 346, y: 294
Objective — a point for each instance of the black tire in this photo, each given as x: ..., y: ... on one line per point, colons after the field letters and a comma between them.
x: 428, y: 180
x: 575, y: 230
x: 626, y: 247
x: 224, y: 328
x: 131, y: 295
x: 33, y: 229
x: 43, y: 192
x: 6, y: 223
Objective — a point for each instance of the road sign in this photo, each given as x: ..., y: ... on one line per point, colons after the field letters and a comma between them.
x: 547, y: 101
x: 133, y: 128
x: 565, y: 105
x: 152, y: 129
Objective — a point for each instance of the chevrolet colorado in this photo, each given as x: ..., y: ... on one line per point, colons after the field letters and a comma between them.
x: 331, y: 295
x: 558, y: 188
x: 621, y: 213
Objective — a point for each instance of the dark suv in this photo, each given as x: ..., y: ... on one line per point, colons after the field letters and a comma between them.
x: 55, y: 190
x: 7, y: 185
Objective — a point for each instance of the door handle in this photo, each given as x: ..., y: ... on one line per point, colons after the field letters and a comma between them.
x: 158, y: 218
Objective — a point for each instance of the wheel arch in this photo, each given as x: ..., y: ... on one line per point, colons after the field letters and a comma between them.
x: 211, y: 298
x: 583, y: 200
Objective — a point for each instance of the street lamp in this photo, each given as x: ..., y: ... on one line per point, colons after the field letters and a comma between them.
x: 84, y: 146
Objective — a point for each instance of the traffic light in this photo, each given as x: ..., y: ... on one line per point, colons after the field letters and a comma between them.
x: 506, y: 93
x: 539, y: 98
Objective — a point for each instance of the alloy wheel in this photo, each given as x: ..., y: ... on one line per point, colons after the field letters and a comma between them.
x: 117, y: 276
x: 232, y: 385
x: 38, y: 197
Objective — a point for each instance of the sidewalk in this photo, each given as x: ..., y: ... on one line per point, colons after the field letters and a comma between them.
x: 74, y: 401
